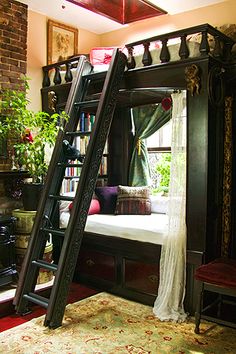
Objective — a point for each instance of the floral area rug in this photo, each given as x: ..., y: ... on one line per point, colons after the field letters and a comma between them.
x: 105, y: 324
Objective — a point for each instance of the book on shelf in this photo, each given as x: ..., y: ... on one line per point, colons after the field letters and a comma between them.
x: 83, y: 144
x: 103, y: 166
x: 92, y: 120
x: 81, y: 122
x: 87, y: 125
x: 69, y: 185
x: 72, y: 174
x: 86, y: 122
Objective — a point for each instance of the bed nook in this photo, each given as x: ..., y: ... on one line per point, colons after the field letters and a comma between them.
x: 194, y: 63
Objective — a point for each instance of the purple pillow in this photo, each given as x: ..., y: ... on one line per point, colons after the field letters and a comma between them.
x: 107, y: 196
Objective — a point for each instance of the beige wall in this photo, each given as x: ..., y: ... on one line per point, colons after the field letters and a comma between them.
x: 36, y: 56
x: 216, y: 15
x: 37, y: 53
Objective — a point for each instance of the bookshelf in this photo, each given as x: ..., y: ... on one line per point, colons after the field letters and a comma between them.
x: 81, y: 142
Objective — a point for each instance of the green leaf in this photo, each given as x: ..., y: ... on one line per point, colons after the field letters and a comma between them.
x: 15, y: 117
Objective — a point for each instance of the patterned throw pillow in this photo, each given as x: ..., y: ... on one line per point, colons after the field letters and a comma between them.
x: 133, y: 200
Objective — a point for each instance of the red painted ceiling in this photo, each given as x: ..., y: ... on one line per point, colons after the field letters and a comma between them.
x: 122, y: 11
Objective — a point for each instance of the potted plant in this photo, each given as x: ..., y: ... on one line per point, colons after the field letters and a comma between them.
x: 28, y: 133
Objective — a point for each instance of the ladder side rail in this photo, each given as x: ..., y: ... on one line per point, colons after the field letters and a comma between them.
x: 74, y: 95
x: 85, y: 189
x: 35, y: 242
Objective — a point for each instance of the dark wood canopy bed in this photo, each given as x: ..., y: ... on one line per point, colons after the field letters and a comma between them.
x: 128, y: 267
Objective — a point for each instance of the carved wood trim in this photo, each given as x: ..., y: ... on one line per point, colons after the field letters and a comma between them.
x: 227, y: 179
x: 193, y: 79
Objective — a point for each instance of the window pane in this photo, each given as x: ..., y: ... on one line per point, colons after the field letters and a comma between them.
x: 161, y: 138
x: 159, y: 163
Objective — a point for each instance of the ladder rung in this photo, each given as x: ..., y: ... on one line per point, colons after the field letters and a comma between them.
x: 54, y: 231
x: 102, y: 177
x: 62, y: 164
x: 61, y: 197
x: 90, y: 103
x: 95, y: 76
x: 72, y: 177
x: 45, y: 265
x: 79, y: 133
x: 37, y: 299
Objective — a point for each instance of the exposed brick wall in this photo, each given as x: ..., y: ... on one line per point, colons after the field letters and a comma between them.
x: 13, y: 53
x: 13, y: 42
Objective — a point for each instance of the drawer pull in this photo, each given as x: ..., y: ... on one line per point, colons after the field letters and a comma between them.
x: 90, y: 262
x: 153, y: 278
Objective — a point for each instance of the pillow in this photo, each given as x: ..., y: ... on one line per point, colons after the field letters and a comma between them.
x: 159, y: 204
x: 65, y: 204
x: 133, y: 200
x: 107, y: 196
x: 94, y: 207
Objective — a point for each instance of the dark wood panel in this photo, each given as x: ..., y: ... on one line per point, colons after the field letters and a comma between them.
x: 165, y: 76
x: 61, y: 91
x: 204, y: 179
x: 142, y: 277
x: 121, y: 11
x: 120, y: 144
x: 96, y: 264
x: 136, y: 268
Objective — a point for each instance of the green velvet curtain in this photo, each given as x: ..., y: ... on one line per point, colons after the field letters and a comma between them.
x: 147, y: 120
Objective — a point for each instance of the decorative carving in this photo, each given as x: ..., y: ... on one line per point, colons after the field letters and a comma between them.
x: 216, y: 87
x: 192, y: 79
x: 153, y: 278
x: 52, y: 100
x: 227, y: 179
x: 90, y: 262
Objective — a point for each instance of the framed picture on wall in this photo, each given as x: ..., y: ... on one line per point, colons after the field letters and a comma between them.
x: 62, y: 42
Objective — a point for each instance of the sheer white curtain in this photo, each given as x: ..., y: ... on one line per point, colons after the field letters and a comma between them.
x: 171, y: 291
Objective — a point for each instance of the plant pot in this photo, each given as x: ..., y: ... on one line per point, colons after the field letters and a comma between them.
x: 31, y: 194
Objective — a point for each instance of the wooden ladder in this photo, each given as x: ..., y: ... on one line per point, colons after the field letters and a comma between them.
x: 43, y: 226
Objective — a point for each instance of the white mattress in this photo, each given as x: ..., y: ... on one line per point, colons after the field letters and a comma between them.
x: 173, y: 51
x: 145, y: 228
x: 138, y: 54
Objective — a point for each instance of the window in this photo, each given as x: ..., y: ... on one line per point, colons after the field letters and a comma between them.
x: 159, y: 153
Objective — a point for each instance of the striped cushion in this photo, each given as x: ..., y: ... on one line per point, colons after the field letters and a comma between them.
x: 133, y: 200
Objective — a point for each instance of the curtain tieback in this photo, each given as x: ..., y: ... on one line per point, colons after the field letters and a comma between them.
x: 138, y: 146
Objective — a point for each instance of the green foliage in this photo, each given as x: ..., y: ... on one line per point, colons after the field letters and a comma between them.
x: 17, y: 122
x: 163, y: 168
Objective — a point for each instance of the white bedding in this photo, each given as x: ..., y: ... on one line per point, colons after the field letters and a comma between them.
x: 173, y: 50
x: 97, y: 68
x: 138, y: 54
x: 145, y: 228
